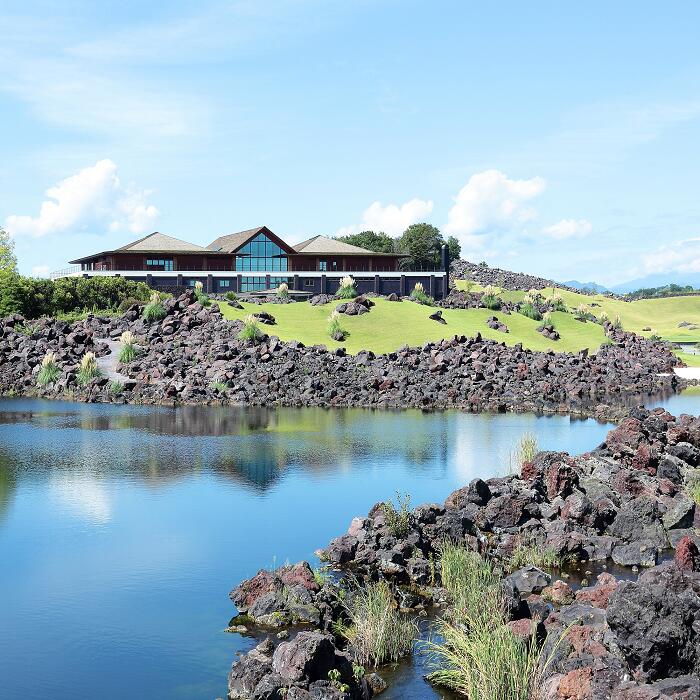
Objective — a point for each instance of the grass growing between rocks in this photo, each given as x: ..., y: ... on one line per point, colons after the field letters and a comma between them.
x: 88, y: 369
x: 524, y: 451
x: 478, y: 656
x: 390, y: 325
x: 378, y: 633
x: 49, y: 372
x: 533, y: 554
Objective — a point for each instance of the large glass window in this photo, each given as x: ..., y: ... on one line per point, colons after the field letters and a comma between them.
x: 258, y: 284
x: 159, y: 264
x: 261, y: 254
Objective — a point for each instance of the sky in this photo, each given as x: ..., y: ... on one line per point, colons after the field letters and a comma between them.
x: 561, y: 139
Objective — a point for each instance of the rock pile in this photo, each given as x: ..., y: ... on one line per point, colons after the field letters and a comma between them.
x: 355, y: 307
x: 549, y: 331
x: 493, y: 323
x: 194, y: 347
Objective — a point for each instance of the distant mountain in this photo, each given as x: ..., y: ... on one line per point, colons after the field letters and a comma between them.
x: 594, y: 286
x: 660, y: 279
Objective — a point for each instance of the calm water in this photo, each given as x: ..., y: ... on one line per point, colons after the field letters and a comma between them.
x: 122, y: 529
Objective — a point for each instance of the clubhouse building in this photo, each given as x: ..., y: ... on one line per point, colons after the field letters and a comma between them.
x: 254, y: 261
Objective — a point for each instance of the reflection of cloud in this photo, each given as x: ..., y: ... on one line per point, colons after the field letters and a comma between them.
x: 83, y: 495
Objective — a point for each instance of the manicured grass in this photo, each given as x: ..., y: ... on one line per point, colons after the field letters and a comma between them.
x: 689, y: 359
x: 389, y: 325
x: 661, y: 315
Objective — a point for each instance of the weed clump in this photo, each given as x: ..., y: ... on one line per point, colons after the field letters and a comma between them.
x: 335, y: 327
x: 398, y: 519
x: 251, y: 329
x: 49, y: 372
x: 154, y: 310
x: 88, y: 369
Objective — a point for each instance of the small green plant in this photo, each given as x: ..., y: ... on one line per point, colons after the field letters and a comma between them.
x: 694, y: 488
x: 154, y: 310
x: 322, y: 576
x: 88, y: 369
x: 358, y: 672
x: 49, y: 372
x: 528, y: 552
x: 547, y: 320
x: 528, y: 308
x: 283, y: 291
x: 251, y: 329
x: 202, y: 298
x: 398, y: 519
x: 116, y: 388
x: 617, y: 323
x: 377, y: 632
x: 127, y: 352
x: 230, y: 296
x: 654, y: 335
x: 524, y: 451
x: 419, y: 295
x: 334, y: 678
x: 556, y: 302
x: 347, y: 288
x: 583, y: 313
x: 335, y: 327
x: 219, y: 387
x: 27, y: 328
x: 490, y: 297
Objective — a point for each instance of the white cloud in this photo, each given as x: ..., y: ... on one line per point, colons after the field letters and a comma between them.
x: 681, y: 256
x: 92, y: 197
x: 40, y: 271
x: 568, y: 228
x: 491, y: 202
x: 391, y: 219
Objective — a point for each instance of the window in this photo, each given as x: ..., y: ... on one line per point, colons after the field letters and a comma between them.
x: 309, y: 282
x: 323, y: 265
x: 224, y: 283
x: 259, y: 284
x: 160, y: 264
x: 261, y: 255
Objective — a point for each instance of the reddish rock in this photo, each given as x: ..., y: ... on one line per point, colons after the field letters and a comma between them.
x: 561, y: 478
x: 667, y: 487
x: 267, y: 581
x: 559, y: 593
x: 676, y: 434
x: 522, y: 628
x: 299, y: 575
x: 576, y: 685
x: 598, y: 595
x: 644, y: 459
x: 581, y: 639
x: 626, y: 438
x: 687, y: 557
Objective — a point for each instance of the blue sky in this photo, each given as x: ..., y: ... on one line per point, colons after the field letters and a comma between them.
x: 556, y: 138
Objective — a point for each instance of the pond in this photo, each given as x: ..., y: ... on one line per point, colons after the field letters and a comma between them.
x: 122, y: 529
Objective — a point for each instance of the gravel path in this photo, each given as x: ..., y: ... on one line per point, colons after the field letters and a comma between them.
x: 108, y: 363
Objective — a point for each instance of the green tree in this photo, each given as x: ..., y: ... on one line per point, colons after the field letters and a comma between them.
x: 422, y: 242
x: 8, y: 259
x: 454, y: 247
x: 377, y: 241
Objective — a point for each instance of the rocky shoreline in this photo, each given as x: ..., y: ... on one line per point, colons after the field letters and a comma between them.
x: 635, y: 637
x: 194, y: 356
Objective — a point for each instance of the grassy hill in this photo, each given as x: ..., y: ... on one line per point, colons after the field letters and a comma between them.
x: 390, y: 325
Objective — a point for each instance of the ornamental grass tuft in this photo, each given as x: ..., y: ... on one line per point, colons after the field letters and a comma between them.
x: 283, y: 291
x: 335, y: 327
x: 88, y: 369
x: 251, y: 329
x: 528, y: 307
x: 49, y: 372
x: 347, y: 288
x: 127, y: 352
x: 490, y: 297
x: 154, y: 310
x: 419, y: 295
x: 524, y: 451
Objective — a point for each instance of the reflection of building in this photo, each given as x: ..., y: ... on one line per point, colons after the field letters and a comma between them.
x: 254, y: 260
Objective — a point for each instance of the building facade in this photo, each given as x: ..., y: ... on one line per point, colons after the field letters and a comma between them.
x: 254, y: 261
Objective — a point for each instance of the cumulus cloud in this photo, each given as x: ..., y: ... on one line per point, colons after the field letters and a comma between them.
x: 492, y: 202
x: 40, y: 271
x: 681, y: 256
x: 93, y: 197
x: 391, y: 219
x: 568, y: 228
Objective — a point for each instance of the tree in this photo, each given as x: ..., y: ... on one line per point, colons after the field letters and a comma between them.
x: 454, y: 247
x: 422, y: 242
x: 8, y: 259
x: 379, y: 242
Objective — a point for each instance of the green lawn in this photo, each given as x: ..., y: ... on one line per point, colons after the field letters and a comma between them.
x: 389, y: 325
x: 661, y: 315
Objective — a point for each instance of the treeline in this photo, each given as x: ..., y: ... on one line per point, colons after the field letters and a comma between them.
x: 420, y: 242
x: 669, y: 290
x: 32, y: 297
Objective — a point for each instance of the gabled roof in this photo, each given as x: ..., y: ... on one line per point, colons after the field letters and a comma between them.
x: 231, y: 242
x: 323, y: 245
x: 157, y: 242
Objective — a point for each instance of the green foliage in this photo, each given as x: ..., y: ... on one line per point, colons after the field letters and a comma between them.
x: 556, y: 302
x: 420, y: 296
x: 26, y: 328
x: 116, y: 388
x: 283, y: 291
x: 335, y: 327
x: 334, y: 678
x: 398, y: 519
x: 154, y: 310
x: 476, y: 654
x: 454, y: 248
x: 251, y: 329
x: 321, y: 576
x: 8, y: 259
x: 377, y: 241
x: 33, y: 297
x: 490, y: 297
x: 422, y: 242
x: 127, y: 352
x: 669, y: 290
x: 219, y: 387
x: 230, y: 296
x: 347, y: 289
x: 49, y: 372
x: 547, y: 320
x: 88, y: 369
x: 527, y: 552
x: 530, y: 310
x: 377, y: 632
x: 524, y: 451
x: 694, y: 489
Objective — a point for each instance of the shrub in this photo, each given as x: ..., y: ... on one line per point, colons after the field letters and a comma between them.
x: 347, y: 288
x: 127, y: 352
x: 49, y: 371
x: 524, y: 451
x: 547, y: 320
x: 335, y: 328
x: 654, y: 335
x: 617, y: 323
x: 377, y: 632
x: 283, y: 291
x: 478, y: 656
x: 82, y: 314
x: 116, y: 388
x: 398, y: 520
x: 231, y: 296
x: 251, y: 329
x: 420, y: 296
x: 202, y: 298
x: 556, y: 301
x: 490, y: 297
x: 88, y: 369
x: 127, y: 303
x: 154, y: 310
x: 529, y: 309
x: 583, y: 313
x: 219, y: 387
